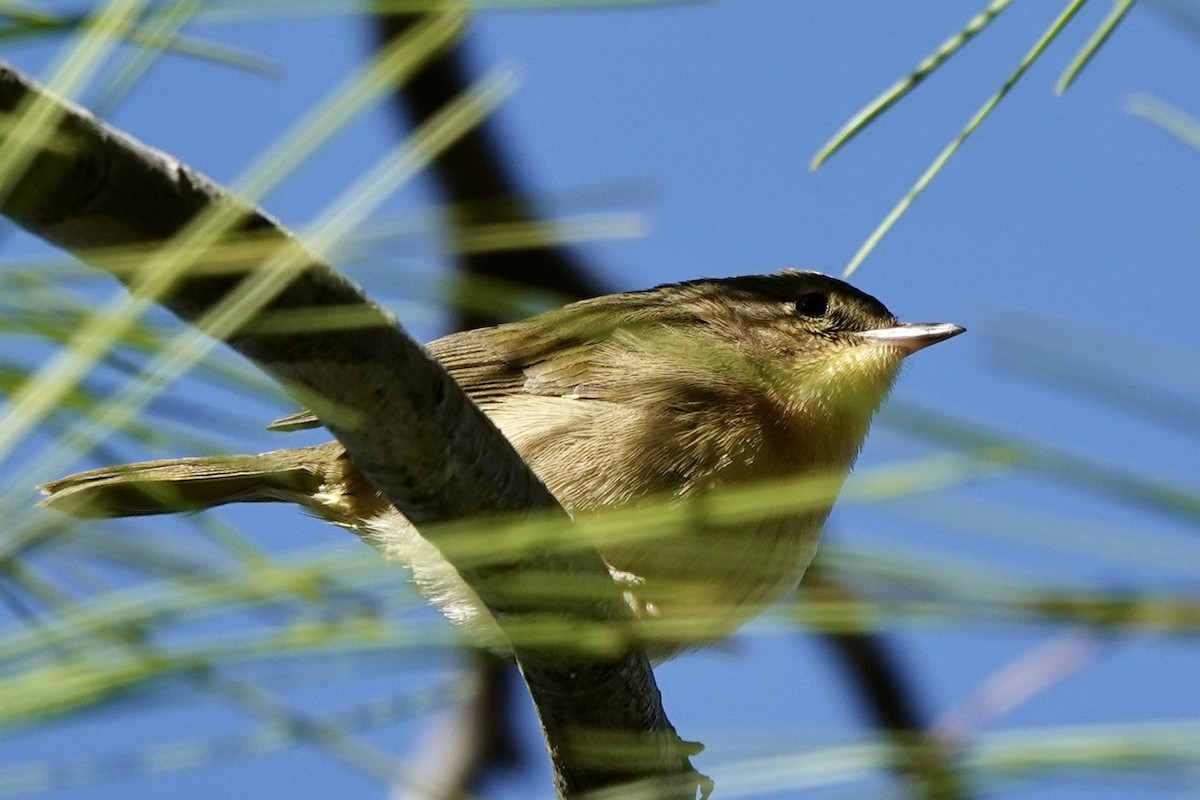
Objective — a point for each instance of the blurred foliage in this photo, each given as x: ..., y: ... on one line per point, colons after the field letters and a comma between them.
x: 99, y: 616
x: 901, y: 88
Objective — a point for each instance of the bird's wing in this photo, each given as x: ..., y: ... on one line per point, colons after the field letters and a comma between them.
x: 513, y: 360
x: 555, y: 355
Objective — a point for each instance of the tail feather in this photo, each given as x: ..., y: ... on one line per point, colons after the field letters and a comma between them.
x: 190, y: 484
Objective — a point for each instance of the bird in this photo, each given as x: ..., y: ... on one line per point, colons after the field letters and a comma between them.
x: 664, y: 395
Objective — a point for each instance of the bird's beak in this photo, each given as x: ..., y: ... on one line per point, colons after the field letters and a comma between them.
x: 912, y: 336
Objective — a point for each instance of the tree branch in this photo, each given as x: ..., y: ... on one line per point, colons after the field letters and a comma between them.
x: 479, y: 185
x: 86, y: 186
x: 887, y: 697
x: 478, y: 180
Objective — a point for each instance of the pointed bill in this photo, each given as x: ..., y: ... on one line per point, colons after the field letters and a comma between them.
x: 913, y: 336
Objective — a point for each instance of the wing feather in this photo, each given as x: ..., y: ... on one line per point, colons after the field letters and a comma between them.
x: 553, y: 355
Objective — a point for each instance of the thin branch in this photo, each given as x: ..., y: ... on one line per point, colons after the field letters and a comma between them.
x: 471, y: 740
x: 891, y: 702
x: 477, y: 179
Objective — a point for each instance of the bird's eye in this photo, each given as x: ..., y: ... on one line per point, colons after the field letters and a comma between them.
x: 812, y: 304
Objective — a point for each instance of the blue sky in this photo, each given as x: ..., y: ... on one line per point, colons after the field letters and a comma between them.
x: 1065, y: 222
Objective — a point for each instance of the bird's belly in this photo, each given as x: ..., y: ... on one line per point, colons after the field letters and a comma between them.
x: 694, y: 585
x: 698, y: 584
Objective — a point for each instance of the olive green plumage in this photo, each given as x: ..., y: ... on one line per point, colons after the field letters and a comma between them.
x: 671, y: 392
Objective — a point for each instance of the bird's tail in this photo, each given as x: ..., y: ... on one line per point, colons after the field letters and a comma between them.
x: 191, y: 484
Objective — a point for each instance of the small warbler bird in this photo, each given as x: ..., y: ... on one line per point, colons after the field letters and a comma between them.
x: 672, y: 392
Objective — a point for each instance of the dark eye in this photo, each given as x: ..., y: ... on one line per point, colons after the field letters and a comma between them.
x: 812, y: 304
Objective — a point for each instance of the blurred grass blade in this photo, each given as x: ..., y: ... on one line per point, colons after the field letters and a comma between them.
x: 1098, y: 368
x: 331, y: 737
x: 1165, y: 752
x: 1094, y: 43
x: 262, y: 285
x: 99, y: 620
x: 1173, y: 500
x: 926, y: 585
x: 1179, y: 124
x: 1116, y: 351
x: 1021, y: 527
x: 1034, y: 53
x: 902, y: 87
x: 193, y: 753
x: 1183, y: 14
x: 162, y: 268
x: 161, y: 34
x: 500, y: 236
x: 234, y: 11
x: 38, y: 117
x: 23, y: 23
x: 33, y: 304
x: 1017, y: 682
x: 158, y: 32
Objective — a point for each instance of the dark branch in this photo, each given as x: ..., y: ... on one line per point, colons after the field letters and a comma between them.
x: 888, y: 699
x: 478, y: 182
